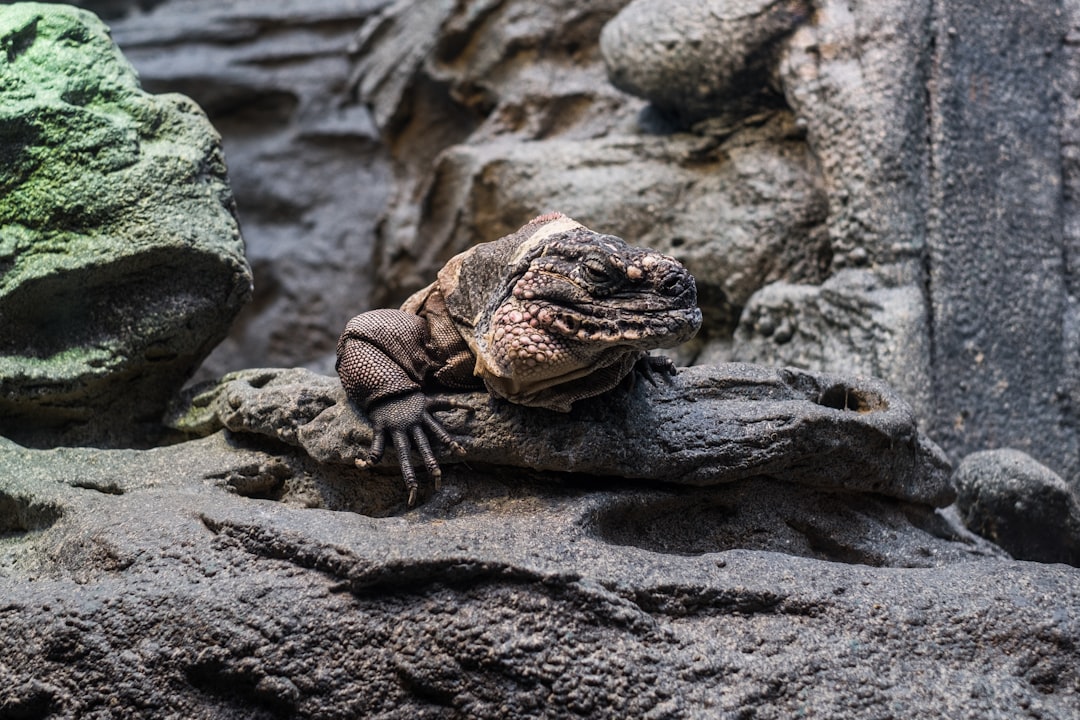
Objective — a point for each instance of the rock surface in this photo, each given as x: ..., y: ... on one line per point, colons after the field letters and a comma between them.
x: 306, y: 163
x: 121, y: 257
x: 853, y: 322
x: 700, y: 59
x: 139, y: 583
x: 1001, y: 316
x: 1021, y: 505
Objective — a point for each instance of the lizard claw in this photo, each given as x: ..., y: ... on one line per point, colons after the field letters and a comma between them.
x: 648, y: 367
x: 408, y: 420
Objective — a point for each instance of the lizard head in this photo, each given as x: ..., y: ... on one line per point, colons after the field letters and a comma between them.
x: 574, y: 310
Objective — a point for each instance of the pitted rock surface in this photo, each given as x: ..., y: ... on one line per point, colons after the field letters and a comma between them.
x: 170, y: 581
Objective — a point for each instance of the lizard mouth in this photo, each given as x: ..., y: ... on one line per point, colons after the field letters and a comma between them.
x: 647, y: 330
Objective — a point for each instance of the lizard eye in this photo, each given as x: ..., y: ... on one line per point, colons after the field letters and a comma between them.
x: 595, y: 271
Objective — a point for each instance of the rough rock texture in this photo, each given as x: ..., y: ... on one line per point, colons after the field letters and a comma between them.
x: 438, y: 75
x: 307, y: 167
x: 699, y: 59
x: 853, y: 323
x: 136, y: 583
x: 998, y: 273
x: 122, y: 265
x: 708, y: 425
x: 858, y: 86
x: 1008, y: 497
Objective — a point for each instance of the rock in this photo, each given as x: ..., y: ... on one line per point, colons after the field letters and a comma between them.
x: 708, y: 425
x: 310, y: 173
x: 152, y: 585
x: 858, y: 79
x: 122, y: 262
x: 1009, y: 498
x: 852, y: 323
x: 999, y: 282
x: 696, y: 59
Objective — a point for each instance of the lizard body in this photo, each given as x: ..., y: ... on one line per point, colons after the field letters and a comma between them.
x: 543, y: 317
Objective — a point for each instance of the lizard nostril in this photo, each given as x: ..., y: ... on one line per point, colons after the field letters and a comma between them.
x: 672, y: 284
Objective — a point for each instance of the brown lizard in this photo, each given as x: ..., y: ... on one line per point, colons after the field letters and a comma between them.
x: 543, y: 317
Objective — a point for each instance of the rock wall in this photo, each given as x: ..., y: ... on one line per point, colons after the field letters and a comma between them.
x: 307, y: 166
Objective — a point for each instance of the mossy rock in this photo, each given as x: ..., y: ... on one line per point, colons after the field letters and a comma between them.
x: 121, y: 261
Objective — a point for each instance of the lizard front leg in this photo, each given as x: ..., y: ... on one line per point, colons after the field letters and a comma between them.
x: 382, y: 362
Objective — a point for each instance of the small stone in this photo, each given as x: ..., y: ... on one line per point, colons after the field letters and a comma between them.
x: 1013, y: 500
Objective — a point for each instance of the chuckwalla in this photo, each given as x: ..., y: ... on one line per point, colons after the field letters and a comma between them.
x: 545, y: 316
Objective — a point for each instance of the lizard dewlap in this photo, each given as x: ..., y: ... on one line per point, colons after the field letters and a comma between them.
x: 546, y: 316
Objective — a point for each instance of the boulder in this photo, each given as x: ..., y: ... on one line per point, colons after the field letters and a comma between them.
x: 122, y: 261
x: 1023, y: 506
x: 696, y: 59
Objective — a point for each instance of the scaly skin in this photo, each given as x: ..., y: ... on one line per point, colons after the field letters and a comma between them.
x: 544, y: 317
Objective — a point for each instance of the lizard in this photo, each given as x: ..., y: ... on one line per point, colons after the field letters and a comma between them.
x: 546, y: 316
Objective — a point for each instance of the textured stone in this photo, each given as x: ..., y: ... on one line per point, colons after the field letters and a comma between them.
x: 306, y: 162
x: 708, y: 425
x: 997, y: 273
x: 852, y: 323
x: 1021, y: 505
x: 696, y: 59
x: 147, y: 583
x: 858, y: 79
x: 122, y: 262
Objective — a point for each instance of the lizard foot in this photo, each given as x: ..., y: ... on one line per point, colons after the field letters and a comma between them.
x: 648, y: 367
x: 407, y: 419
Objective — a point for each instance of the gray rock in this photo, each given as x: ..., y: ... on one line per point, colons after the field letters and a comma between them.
x: 708, y: 425
x: 696, y: 59
x: 148, y: 583
x: 1023, y: 506
x: 121, y: 258
x: 999, y: 284
x: 306, y: 163
x: 858, y: 78
x: 852, y: 323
